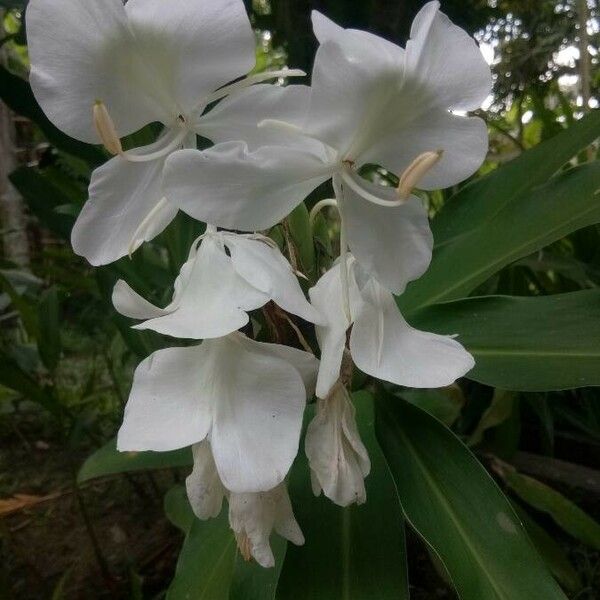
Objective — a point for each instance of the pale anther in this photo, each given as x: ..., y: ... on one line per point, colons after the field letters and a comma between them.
x: 417, y: 169
x: 106, y: 128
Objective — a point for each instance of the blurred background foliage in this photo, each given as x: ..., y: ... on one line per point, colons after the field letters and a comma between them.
x: 66, y: 358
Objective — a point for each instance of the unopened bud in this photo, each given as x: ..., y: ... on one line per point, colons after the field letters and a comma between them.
x: 106, y: 128
x: 417, y: 169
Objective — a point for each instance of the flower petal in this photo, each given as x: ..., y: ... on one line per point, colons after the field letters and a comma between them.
x: 444, y: 60
x: 354, y: 79
x: 463, y: 140
x: 130, y: 304
x: 231, y: 187
x: 237, y: 117
x: 257, y: 414
x: 385, y: 346
x: 327, y: 298
x: 338, y: 459
x: 122, y: 195
x: 194, y: 46
x: 82, y: 51
x: 393, y: 244
x: 265, y: 268
x: 167, y: 409
x: 209, y: 304
x: 205, y: 491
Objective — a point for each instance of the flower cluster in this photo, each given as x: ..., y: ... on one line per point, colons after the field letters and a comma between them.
x: 102, y: 69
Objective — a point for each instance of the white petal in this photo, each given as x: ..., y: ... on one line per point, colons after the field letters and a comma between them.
x: 209, y: 300
x: 327, y: 298
x: 445, y: 63
x: 355, y: 77
x: 463, y: 140
x: 167, y: 409
x: 122, y: 195
x: 204, y: 488
x: 304, y: 362
x: 324, y: 28
x: 194, y: 46
x: 393, y: 244
x: 338, y: 459
x: 265, y: 268
x: 257, y: 414
x: 130, y: 304
x: 231, y: 187
x: 82, y: 51
x: 385, y: 346
x: 254, y: 516
x: 237, y: 117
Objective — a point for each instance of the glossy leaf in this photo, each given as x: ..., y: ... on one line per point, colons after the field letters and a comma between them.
x: 355, y: 553
x: 532, y: 221
x: 552, y: 553
x: 452, y: 502
x: 49, y: 343
x: 566, y: 514
x: 525, y: 344
x: 301, y: 233
x: 497, y: 412
x: 178, y: 509
x: 108, y: 461
x: 444, y: 404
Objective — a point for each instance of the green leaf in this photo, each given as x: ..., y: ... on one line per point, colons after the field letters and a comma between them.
x: 480, y: 201
x: 525, y: 344
x: 444, y: 404
x: 49, y: 344
x: 551, y: 552
x: 352, y: 553
x: 301, y: 233
x: 178, y: 509
x: 532, y: 221
x: 22, y: 305
x: 566, y: 514
x: 17, y: 94
x: 497, y: 412
x: 452, y: 502
x: 108, y: 461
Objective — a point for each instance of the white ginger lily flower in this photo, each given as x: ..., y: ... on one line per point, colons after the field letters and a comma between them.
x: 215, y: 290
x: 338, y: 460
x: 252, y: 515
x: 371, y: 102
x: 101, y: 70
x: 245, y: 397
x: 382, y: 343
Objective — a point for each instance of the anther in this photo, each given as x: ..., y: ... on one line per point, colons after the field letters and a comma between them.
x: 244, y: 546
x: 417, y: 169
x: 106, y: 128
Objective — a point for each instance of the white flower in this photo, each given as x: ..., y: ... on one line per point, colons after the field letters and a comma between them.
x: 337, y: 457
x: 254, y: 516
x: 382, y: 343
x: 101, y: 70
x: 245, y: 397
x: 371, y: 103
x: 204, y: 488
x: 214, y: 290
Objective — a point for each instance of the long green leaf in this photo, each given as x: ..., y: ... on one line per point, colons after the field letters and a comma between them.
x: 480, y: 201
x: 567, y: 514
x: 108, y: 461
x: 522, y: 343
x: 534, y: 220
x: 49, y: 342
x: 453, y: 503
x: 354, y: 553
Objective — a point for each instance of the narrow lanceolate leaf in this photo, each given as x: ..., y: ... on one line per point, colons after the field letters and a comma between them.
x: 480, y: 202
x: 354, y: 553
x: 452, y: 502
x: 178, y: 509
x: 526, y: 224
x: 522, y: 343
x: 108, y: 461
x: 566, y: 514
x: 496, y: 413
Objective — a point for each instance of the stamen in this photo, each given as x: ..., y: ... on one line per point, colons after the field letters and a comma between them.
x: 337, y: 186
x: 318, y: 207
x: 282, y: 126
x: 105, y: 126
x: 417, y: 169
x: 247, y: 82
x: 172, y: 145
x: 349, y: 178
